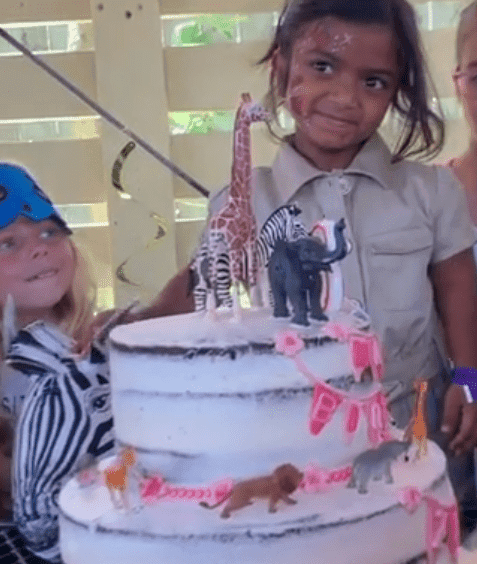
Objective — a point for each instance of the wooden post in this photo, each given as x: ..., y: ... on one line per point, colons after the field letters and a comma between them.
x: 131, y: 86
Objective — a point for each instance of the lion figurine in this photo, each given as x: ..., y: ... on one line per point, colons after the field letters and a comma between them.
x: 283, y: 481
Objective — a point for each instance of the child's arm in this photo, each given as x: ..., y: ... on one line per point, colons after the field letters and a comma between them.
x: 455, y: 286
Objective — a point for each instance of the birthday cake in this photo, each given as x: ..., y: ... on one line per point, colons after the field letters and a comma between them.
x: 259, y: 435
x: 209, y: 403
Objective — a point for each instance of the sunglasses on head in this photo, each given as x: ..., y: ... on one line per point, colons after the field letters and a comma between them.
x: 21, y: 196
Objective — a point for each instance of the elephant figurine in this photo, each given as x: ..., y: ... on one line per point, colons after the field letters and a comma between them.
x: 374, y: 464
x: 295, y: 270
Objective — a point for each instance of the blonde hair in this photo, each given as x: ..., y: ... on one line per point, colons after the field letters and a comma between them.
x: 75, y: 310
x: 467, y: 25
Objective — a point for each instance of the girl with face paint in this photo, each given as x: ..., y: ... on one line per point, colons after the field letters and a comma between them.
x: 339, y: 67
x: 58, y: 405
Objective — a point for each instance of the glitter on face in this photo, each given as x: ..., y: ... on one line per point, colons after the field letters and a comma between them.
x: 339, y: 82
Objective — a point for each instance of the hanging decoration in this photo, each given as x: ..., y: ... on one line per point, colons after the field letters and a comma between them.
x: 161, y: 223
x: 107, y: 116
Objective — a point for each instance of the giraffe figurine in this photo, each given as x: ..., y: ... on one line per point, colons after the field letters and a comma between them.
x: 236, y: 220
x: 417, y: 430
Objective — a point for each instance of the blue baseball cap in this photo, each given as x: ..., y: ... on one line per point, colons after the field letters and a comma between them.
x: 21, y: 195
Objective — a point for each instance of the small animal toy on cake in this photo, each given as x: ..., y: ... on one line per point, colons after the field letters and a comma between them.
x: 295, y: 273
x: 375, y: 464
x: 231, y: 236
x: 417, y: 428
x: 116, y: 478
x: 283, y: 481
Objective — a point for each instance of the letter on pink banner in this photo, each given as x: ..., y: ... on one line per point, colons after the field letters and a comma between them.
x: 352, y: 418
x: 365, y: 351
x: 325, y: 403
x: 376, y: 412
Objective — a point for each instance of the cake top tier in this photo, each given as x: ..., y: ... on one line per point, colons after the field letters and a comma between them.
x: 222, y: 330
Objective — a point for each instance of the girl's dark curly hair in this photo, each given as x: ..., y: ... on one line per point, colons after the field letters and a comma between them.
x: 422, y: 131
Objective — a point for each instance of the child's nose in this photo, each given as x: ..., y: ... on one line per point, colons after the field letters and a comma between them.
x: 344, y: 91
x: 38, y: 249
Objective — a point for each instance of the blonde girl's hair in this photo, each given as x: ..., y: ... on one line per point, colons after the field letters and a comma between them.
x: 76, y: 309
x: 467, y: 25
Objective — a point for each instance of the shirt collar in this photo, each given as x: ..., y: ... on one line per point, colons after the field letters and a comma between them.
x: 291, y: 171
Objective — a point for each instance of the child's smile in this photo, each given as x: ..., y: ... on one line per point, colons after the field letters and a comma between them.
x: 341, y: 80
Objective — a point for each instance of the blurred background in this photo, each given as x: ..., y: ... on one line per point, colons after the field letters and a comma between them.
x: 172, y: 71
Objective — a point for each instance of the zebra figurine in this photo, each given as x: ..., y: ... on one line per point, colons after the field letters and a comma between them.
x: 202, y: 285
x: 283, y: 224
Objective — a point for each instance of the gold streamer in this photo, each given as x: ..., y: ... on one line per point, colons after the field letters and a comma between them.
x: 161, y: 223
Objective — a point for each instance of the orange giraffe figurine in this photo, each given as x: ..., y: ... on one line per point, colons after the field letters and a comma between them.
x: 417, y: 430
x: 236, y: 220
x: 116, y: 477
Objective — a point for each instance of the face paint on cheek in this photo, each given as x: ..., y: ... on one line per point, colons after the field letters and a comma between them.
x: 295, y: 100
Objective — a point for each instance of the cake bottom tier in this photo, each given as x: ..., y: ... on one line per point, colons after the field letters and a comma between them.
x: 339, y: 526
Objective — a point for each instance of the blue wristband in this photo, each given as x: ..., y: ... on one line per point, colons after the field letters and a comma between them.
x: 467, y: 378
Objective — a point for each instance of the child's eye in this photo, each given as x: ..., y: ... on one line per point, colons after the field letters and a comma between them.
x: 7, y: 244
x: 323, y: 67
x: 49, y: 232
x: 376, y: 83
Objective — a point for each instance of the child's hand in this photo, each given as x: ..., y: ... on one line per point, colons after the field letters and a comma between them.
x: 460, y: 420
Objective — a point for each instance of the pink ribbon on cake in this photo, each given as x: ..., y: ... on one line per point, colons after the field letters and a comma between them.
x: 442, y: 525
x: 318, y: 480
x: 442, y: 522
x: 155, y: 488
x: 410, y: 497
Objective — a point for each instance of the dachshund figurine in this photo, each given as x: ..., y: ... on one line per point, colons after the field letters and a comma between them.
x: 284, y: 481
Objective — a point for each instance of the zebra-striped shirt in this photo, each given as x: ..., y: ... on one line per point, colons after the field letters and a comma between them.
x: 66, y: 414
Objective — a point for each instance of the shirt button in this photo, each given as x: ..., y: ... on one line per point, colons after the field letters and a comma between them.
x: 344, y: 186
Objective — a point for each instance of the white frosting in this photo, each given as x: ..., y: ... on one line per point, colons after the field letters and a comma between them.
x: 205, y: 417
x: 339, y: 527
x: 203, y: 399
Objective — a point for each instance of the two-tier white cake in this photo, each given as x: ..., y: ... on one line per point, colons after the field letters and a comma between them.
x: 208, y: 402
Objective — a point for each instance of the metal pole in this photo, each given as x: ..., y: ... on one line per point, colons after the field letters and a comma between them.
x: 105, y: 114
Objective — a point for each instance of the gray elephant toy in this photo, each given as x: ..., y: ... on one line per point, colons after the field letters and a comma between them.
x: 295, y: 270
x: 375, y: 464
